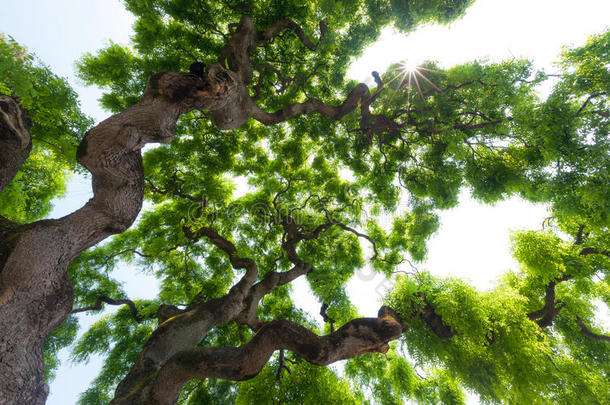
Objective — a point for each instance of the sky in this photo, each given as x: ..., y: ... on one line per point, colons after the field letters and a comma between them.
x: 473, y: 241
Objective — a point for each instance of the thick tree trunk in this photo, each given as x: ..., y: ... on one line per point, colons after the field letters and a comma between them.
x: 35, y: 292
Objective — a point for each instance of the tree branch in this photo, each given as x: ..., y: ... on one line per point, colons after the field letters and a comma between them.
x: 361, y: 91
x: 15, y: 139
x: 229, y: 248
x: 545, y: 316
x: 357, y: 337
x: 35, y: 275
x: 434, y: 321
x: 588, y: 100
x: 98, y: 305
x: 175, y: 187
x: 286, y: 23
x: 587, y: 332
x: 327, y: 318
x: 590, y: 250
x: 281, y: 365
x: 260, y: 68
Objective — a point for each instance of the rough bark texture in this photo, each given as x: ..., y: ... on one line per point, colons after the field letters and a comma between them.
x: 15, y: 139
x: 35, y: 292
x: 185, y: 330
x: 357, y: 337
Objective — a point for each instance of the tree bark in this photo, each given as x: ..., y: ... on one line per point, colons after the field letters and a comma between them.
x: 357, y: 337
x: 15, y: 139
x: 35, y: 292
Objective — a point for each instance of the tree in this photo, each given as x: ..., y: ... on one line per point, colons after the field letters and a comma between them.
x: 52, y: 106
x: 323, y: 159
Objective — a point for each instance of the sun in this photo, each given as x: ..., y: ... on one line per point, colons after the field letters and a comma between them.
x: 409, y: 73
x: 409, y: 65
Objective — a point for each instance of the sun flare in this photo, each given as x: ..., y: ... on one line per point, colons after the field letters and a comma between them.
x: 409, y: 66
x: 409, y: 73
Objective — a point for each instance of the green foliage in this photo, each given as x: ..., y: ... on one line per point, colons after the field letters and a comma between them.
x: 58, y: 339
x: 58, y: 126
x: 119, y: 338
x: 580, y: 138
x: 477, y: 126
x: 497, y: 346
x: 209, y: 391
x: 305, y: 384
x: 411, y: 13
x: 393, y: 379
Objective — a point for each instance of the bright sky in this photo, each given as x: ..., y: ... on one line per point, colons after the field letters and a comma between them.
x: 473, y: 239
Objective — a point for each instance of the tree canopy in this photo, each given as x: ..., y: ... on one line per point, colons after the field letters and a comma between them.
x: 273, y: 166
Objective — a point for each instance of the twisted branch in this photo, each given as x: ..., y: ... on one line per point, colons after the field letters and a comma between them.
x: 357, y: 337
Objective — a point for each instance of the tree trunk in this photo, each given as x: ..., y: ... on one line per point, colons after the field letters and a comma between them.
x: 35, y: 293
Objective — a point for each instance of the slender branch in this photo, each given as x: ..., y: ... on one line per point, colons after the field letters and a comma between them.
x: 98, y: 305
x: 175, y: 187
x: 590, y: 250
x: 360, y: 235
x: 261, y: 67
x: 282, y: 365
x: 481, y: 124
x: 229, y: 248
x: 588, y: 100
x: 136, y: 252
x: 579, y: 235
x: 314, y: 105
x: 588, y: 333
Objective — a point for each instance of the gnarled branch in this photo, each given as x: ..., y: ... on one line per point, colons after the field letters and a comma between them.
x: 335, y: 113
x: 357, y: 337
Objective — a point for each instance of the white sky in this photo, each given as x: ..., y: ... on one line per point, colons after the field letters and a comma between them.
x: 473, y: 239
